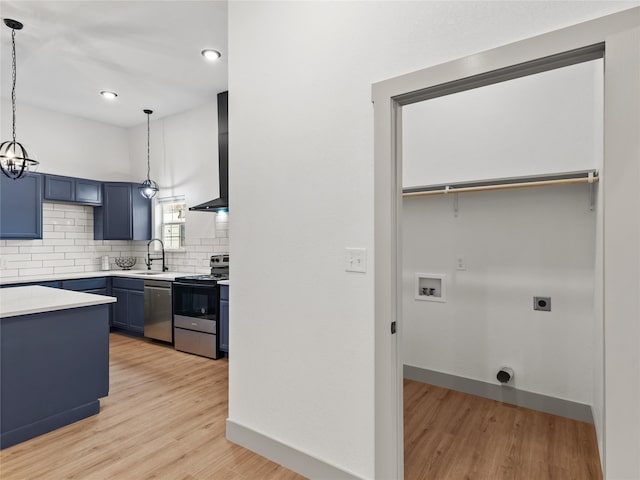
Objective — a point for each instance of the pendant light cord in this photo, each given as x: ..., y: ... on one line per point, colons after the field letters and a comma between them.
x: 13, y: 77
x: 148, y: 165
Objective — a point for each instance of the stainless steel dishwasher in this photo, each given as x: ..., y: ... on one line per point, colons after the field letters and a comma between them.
x: 158, y: 312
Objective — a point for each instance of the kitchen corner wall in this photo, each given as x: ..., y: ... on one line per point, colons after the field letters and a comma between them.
x: 184, y: 161
x: 67, y: 246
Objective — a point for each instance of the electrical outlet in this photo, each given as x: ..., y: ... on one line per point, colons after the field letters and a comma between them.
x: 542, y: 303
x: 460, y: 264
x: 356, y: 260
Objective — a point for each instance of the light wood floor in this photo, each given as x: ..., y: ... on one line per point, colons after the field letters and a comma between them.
x: 453, y: 436
x: 165, y: 416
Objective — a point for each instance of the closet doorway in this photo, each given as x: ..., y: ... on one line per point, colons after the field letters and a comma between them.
x: 502, y: 347
x: 619, y: 35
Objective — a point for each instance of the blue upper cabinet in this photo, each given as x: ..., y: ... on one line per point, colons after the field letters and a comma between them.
x: 88, y: 192
x: 72, y: 190
x: 21, y: 207
x: 124, y: 215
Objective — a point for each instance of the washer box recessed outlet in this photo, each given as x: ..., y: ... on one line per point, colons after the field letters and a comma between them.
x: 430, y: 287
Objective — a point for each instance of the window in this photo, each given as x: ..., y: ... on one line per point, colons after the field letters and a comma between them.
x: 172, y: 214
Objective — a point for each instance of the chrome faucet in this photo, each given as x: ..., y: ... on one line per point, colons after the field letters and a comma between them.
x: 150, y: 259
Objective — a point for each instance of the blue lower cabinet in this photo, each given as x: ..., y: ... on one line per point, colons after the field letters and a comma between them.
x: 85, y: 284
x: 128, y: 311
x: 135, y: 311
x: 120, y: 311
x: 224, y: 318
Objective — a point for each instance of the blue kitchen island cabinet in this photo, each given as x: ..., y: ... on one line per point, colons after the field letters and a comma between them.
x: 124, y: 214
x: 54, y: 359
x: 21, y: 207
x: 224, y: 319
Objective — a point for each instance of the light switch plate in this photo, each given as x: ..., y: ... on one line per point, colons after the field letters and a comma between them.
x: 356, y: 260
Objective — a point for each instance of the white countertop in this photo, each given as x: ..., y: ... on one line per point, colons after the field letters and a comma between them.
x: 223, y: 282
x: 26, y: 300
x: 157, y: 275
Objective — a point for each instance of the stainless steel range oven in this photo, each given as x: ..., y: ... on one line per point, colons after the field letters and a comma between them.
x: 195, y: 310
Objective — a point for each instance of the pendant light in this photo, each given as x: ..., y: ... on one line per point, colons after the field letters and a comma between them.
x: 148, y: 188
x: 14, y: 159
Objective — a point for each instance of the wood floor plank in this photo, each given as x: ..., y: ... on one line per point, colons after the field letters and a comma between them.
x: 452, y: 436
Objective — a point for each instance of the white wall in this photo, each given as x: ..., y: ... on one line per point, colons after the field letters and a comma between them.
x: 184, y: 161
x: 534, y: 125
x: 515, y: 245
x: 69, y: 145
x: 302, y: 176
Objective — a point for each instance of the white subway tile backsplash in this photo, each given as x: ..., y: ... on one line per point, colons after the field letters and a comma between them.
x: 52, y: 216
x: 74, y: 255
x: 68, y: 207
x: 68, y: 247
x: 20, y: 243
x: 36, y: 249
x: 76, y: 235
x: 74, y: 269
x: 9, y: 273
x: 59, y: 241
x: 86, y: 261
x: 27, y: 272
x: 47, y: 256
x: 49, y: 235
x: 58, y: 263
x: 68, y: 228
x: 24, y: 264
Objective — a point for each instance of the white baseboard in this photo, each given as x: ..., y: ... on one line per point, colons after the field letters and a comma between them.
x: 285, y: 455
x: 521, y: 398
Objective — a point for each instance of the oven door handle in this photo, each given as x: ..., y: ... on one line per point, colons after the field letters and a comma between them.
x: 193, y: 285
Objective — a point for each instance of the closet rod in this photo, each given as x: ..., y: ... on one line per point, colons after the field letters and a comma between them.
x: 585, y: 177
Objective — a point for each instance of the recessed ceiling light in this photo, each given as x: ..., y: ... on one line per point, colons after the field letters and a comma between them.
x: 108, y: 95
x: 210, y: 54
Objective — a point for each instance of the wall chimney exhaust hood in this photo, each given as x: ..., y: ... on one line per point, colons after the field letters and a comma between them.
x: 221, y: 203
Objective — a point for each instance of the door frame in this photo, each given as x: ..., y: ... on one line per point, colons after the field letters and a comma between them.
x: 618, y: 35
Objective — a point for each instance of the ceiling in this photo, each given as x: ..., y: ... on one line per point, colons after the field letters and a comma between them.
x: 146, y: 51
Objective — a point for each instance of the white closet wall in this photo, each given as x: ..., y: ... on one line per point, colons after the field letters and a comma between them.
x: 514, y: 244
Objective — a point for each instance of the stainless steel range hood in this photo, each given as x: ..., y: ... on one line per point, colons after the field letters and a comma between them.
x: 222, y: 202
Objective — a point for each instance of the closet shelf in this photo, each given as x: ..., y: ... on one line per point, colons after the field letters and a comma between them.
x: 568, y: 178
